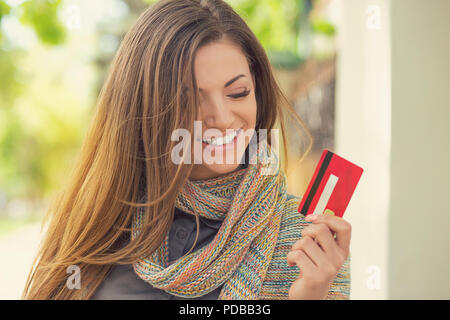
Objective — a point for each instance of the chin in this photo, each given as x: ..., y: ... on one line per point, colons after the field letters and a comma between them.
x: 221, y: 169
x: 212, y: 171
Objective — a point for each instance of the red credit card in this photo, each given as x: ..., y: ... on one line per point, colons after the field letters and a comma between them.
x: 331, y: 186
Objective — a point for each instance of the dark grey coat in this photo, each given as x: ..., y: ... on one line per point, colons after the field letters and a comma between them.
x: 123, y: 283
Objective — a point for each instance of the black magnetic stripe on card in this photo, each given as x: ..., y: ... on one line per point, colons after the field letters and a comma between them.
x: 315, y: 186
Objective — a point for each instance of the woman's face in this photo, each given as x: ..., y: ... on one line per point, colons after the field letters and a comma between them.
x: 227, y: 104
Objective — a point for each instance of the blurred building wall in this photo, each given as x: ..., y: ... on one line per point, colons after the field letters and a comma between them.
x: 393, y: 118
x: 419, y: 219
x: 362, y: 135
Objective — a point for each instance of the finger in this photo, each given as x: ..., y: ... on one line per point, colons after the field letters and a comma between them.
x: 314, y: 252
x: 322, y: 234
x: 336, y: 224
x: 299, y: 258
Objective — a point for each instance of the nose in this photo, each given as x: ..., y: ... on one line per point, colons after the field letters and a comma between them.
x: 216, y: 114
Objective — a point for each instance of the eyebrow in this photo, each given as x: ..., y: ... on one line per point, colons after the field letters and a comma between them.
x: 231, y: 81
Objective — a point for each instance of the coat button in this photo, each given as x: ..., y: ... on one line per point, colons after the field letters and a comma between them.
x: 181, y: 234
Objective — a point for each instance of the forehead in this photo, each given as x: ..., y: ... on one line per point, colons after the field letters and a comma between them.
x: 217, y: 62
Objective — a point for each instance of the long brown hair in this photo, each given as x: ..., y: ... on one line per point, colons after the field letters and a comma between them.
x: 128, y: 145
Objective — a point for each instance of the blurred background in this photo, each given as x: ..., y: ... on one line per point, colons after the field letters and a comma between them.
x: 370, y: 78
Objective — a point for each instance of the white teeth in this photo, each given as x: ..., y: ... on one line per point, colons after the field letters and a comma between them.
x: 222, y: 140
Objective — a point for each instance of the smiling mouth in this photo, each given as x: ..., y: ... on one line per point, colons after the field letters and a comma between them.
x: 224, y: 140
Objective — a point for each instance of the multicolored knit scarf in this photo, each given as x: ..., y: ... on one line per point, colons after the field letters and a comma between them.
x: 250, y: 202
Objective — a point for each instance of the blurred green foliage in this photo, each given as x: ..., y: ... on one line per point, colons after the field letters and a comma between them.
x: 323, y: 27
x: 274, y: 22
x: 24, y: 152
x: 4, y: 9
x: 42, y: 16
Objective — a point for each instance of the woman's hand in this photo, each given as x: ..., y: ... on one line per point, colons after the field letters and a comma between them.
x: 319, y: 254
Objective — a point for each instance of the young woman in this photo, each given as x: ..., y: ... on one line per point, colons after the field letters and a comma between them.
x: 134, y: 223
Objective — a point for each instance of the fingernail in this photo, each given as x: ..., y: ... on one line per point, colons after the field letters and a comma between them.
x: 312, y: 217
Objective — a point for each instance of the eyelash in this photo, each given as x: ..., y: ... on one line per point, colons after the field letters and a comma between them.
x: 240, y: 95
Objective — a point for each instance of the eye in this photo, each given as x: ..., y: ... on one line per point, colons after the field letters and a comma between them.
x: 240, y: 95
